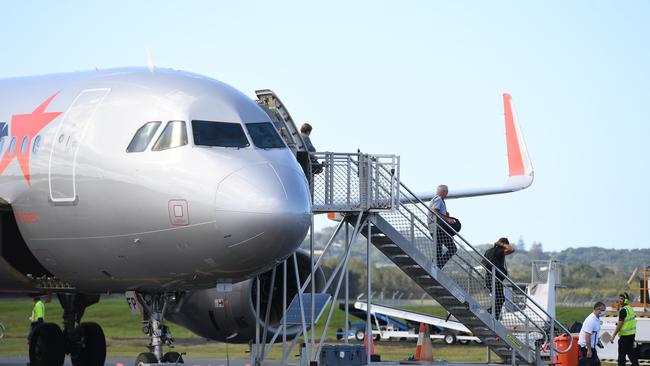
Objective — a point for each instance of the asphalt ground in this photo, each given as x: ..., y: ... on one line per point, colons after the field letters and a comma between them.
x: 127, y: 361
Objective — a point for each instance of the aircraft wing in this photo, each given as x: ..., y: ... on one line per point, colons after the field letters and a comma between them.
x: 520, y: 168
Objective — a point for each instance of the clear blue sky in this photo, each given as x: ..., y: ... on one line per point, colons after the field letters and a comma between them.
x: 418, y: 79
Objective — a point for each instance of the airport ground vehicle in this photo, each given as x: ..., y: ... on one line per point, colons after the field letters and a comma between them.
x: 396, y: 324
x: 642, y: 308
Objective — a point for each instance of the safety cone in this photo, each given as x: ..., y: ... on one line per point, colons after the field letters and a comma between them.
x: 370, y: 348
x: 418, y: 347
x: 427, y: 348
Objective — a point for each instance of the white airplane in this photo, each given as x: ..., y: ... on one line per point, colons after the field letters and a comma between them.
x: 163, y: 183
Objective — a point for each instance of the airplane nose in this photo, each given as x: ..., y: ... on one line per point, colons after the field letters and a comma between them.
x: 263, y: 209
x: 265, y: 189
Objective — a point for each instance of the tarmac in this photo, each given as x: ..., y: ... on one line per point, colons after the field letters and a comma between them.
x: 130, y: 361
x: 124, y: 361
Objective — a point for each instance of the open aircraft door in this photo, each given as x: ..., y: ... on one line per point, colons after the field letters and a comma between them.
x: 66, y: 143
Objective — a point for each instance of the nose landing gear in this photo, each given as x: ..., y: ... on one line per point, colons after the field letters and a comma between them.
x: 154, y: 306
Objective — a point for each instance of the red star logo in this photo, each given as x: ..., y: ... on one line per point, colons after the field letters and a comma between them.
x: 26, y: 126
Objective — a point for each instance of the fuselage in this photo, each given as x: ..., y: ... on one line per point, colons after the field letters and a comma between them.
x: 130, y: 179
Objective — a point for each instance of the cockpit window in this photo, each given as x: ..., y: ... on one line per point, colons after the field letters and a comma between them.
x: 264, y: 135
x: 143, y: 137
x: 207, y: 133
x: 174, y: 135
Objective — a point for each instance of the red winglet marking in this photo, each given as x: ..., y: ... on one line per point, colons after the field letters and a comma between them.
x: 515, y: 160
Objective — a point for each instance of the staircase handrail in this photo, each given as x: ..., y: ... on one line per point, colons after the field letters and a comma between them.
x: 544, y: 324
x: 512, y: 283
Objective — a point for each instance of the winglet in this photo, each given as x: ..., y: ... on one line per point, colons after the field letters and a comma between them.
x: 518, y: 159
x: 520, y: 168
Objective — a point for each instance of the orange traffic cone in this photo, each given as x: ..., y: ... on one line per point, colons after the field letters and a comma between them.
x: 418, y: 347
x: 370, y: 348
x: 427, y: 347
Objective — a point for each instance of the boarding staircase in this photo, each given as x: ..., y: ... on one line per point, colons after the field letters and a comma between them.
x: 363, y: 188
x: 368, y: 186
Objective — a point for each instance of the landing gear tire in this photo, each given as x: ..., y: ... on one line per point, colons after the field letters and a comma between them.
x: 93, y: 346
x: 359, y: 335
x: 173, y: 357
x: 463, y: 341
x: 47, y: 347
x: 145, y: 357
x: 450, y: 339
x: 376, y: 337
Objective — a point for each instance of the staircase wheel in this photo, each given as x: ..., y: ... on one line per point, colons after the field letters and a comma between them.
x: 47, y: 346
x: 450, y: 339
x: 359, y: 335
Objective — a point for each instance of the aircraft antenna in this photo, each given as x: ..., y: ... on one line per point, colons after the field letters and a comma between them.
x: 150, y: 64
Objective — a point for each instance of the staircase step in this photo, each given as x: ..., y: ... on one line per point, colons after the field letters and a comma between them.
x: 381, y: 240
x: 401, y: 257
x: 412, y: 266
x: 387, y: 246
x: 434, y: 288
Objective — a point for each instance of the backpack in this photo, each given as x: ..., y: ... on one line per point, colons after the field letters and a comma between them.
x: 489, y: 255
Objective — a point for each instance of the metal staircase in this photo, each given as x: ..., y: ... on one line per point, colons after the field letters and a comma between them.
x: 364, y: 185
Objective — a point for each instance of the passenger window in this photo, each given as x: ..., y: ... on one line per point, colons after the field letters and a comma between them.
x: 264, y: 135
x: 37, y: 144
x: 12, y: 146
x: 143, y: 137
x: 24, y: 145
x: 207, y: 133
x: 174, y: 135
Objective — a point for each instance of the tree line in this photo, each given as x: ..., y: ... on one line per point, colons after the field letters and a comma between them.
x: 587, y: 272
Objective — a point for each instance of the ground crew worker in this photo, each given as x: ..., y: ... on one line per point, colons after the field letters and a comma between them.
x: 38, y: 316
x: 626, y: 329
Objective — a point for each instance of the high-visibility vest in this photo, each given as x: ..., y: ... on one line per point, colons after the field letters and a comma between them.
x: 629, y: 324
x: 38, y: 311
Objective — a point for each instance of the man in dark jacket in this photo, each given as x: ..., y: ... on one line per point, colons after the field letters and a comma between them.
x: 497, y: 258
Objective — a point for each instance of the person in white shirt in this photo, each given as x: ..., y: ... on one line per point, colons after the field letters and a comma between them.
x: 442, y: 236
x: 589, y: 335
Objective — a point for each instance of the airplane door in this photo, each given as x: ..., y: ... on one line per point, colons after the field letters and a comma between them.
x: 66, y: 143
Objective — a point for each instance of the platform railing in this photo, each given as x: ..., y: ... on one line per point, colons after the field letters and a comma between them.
x: 355, y: 182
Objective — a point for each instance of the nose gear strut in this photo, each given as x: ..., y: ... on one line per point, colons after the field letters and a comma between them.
x: 155, y: 305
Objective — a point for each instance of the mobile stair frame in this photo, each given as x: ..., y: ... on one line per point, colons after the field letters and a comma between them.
x: 366, y: 189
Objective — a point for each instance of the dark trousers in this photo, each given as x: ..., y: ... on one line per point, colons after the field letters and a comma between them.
x: 626, y: 347
x: 33, y: 326
x: 584, y: 361
x: 444, y: 239
x: 498, y: 293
